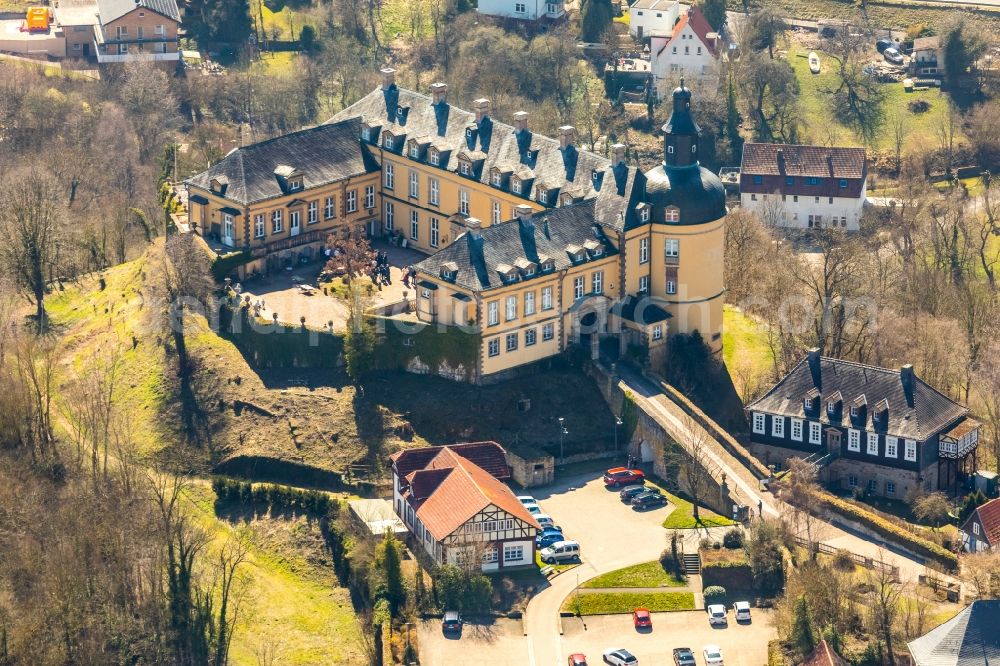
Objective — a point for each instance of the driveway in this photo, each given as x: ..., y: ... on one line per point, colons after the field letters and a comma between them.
x: 611, y: 534
x: 500, y: 643
x: 742, y: 644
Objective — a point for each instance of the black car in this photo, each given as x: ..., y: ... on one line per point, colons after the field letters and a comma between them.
x: 627, y: 494
x: 648, y: 499
x: 883, y: 44
x: 683, y: 657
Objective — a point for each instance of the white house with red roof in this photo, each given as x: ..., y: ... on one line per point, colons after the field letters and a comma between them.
x: 455, y: 503
x: 981, y: 530
x: 693, y: 50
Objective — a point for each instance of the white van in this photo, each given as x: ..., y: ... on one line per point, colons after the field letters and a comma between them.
x: 561, y: 551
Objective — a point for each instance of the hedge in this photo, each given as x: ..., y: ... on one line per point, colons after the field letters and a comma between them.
x: 277, y: 496
x: 887, y: 529
x: 225, y: 264
x: 731, y: 575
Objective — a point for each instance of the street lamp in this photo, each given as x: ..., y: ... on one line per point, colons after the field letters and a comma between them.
x: 618, y: 422
x: 562, y: 431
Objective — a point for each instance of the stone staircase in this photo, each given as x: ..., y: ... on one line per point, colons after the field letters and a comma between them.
x: 691, y: 563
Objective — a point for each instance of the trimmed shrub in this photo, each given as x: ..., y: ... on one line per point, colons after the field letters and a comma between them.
x: 733, y: 539
x: 715, y: 594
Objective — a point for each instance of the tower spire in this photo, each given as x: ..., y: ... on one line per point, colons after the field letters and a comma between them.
x: 680, y: 133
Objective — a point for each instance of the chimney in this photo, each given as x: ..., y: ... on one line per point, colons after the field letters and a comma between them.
x: 474, y: 225
x: 814, y: 368
x: 523, y: 213
x: 567, y: 133
x: 521, y: 121
x: 829, y: 163
x: 439, y: 93
x: 482, y: 108
x: 388, y: 78
x: 906, y: 377
x: 781, y: 160
x: 617, y: 154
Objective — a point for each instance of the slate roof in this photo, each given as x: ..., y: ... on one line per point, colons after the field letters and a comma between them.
x: 989, y: 517
x: 918, y: 416
x: 502, y: 146
x: 549, y: 232
x: 323, y: 154
x: 798, y: 160
x: 451, y: 489
x: 970, y: 638
x: 110, y: 10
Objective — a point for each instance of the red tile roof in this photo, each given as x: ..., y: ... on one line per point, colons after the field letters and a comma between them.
x: 451, y: 487
x: 823, y: 655
x: 699, y: 25
x: 775, y: 162
x: 989, y: 516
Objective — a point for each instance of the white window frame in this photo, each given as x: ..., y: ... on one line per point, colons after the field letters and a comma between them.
x: 644, y: 284
x: 312, y: 212
x: 258, y: 225
x: 493, y: 347
x: 546, y: 298
x: 329, y: 208
x: 854, y: 440
x: 389, y: 176
x: 276, y: 222
x: 597, y: 282
x: 529, y: 303
x: 643, y: 250
x: 434, y: 186
x: 352, y: 201
x: 759, y: 423
x: 672, y: 248
x: 548, y: 332
x: 578, y: 287
x: 815, y: 433
x: 512, y: 342
x: 513, y: 553
x: 497, y: 212
x: 510, y: 308
x: 491, y: 555
x: 778, y: 426
x: 890, y: 487
x: 975, y: 529
x: 891, y: 447
x: 435, y: 157
x: 369, y: 197
x: 463, y: 202
x: 520, y: 8
x: 530, y: 337
x: 464, y: 168
x: 414, y: 184
x: 871, y: 444
x: 435, y: 232
x: 389, y: 217
x: 671, y: 287
x: 910, y: 450
x: 797, y: 429
x: 414, y: 225
x: 493, y: 313
x: 658, y: 332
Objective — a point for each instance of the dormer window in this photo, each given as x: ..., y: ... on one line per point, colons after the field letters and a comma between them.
x: 366, y: 134
x: 808, y: 404
x: 546, y: 263
x: 464, y: 167
x: 449, y: 271
x: 831, y: 407
x: 414, y: 150
x: 435, y: 157
x: 854, y: 412
x: 218, y: 184
x: 673, y: 214
x: 294, y: 184
x: 515, y: 185
x: 388, y: 142
x: 543, y: 195
x: 643, y: 210
x: 507, y: 274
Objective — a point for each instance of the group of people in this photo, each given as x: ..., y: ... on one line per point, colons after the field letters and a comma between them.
x: 379, y: 270
x: 409, y: 277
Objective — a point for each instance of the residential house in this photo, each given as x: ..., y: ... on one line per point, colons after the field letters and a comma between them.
x: 884, y: 432
x: 692, y: 50
x: 441, y: 164
x: 926, y: 59
x: 523, y: 10
x: 804, y: 187
x: 981, y: 530
x: 643, y: 254
x: 136, y: 30
x: 968, y: 639
x: 647, y: 18
x: 280, y: 199
x: 454, y: 501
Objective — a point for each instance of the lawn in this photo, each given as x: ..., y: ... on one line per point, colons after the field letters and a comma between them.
x: 279, y: 62
x: 744, y: 341
x: 817, y: 107
x: 559, y: 567
x: 896, y: 14
x: 682, y: 517
x: 606, y: 603
x: 647, y: 574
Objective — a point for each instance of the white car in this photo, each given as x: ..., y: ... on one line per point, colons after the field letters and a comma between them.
x: 620, y: 657
x: 533, y: 509
x: 717, y: 614
x: 741, y: 610
x: 713, y: 655
x: 544, y: 520
x: 526, y: 499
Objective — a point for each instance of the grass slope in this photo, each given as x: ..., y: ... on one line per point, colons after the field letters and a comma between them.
x: 606, y: 603
x: 682, y: 517
x: 823, y: 128
x: 745, y: 340
x: 647, y: 574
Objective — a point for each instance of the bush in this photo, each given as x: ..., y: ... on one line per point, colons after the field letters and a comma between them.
x: 733, y: 539
x: 274, y: 496
x: 715, y: 594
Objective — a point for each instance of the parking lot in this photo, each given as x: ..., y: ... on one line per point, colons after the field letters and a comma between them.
x: 502, y: 643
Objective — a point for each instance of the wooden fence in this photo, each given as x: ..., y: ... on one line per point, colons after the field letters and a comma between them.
x: 860, y: 560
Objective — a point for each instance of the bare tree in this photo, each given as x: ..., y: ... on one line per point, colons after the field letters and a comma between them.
x: 883, y: 598
x: 693, y: 462
x: 982, y: 572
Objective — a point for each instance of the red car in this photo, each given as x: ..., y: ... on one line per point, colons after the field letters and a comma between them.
x: 619, y: 476
x: 641, y: 619
x: 577, y: 660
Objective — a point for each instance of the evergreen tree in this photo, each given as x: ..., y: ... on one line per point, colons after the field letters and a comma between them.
x: 387, y: 559
x: 714, y: 12
x: 802, y: 633
x: 595, y: 19
x: 733, y: 123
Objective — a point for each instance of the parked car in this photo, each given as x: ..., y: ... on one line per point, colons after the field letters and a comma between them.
x: 893, y: 55
x: 684, y: 657
x: 560, y: 551
x: 742, y: 611
x: 883, y: 44
x: 642, y: 619
x: 713, y: 655
x: 533, y: 509
x: 650, y: 499
x: 577, y: 659
x: 619, y: 476
x: 717, y: 614
x: 526, y: 499
x: 620, y: 657
x: 452, y: 622
x: 545, y: 521
x: 546, y: 538
x: 628, y: 493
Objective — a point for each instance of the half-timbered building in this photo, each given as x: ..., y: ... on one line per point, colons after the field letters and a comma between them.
x: 455, y: 503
